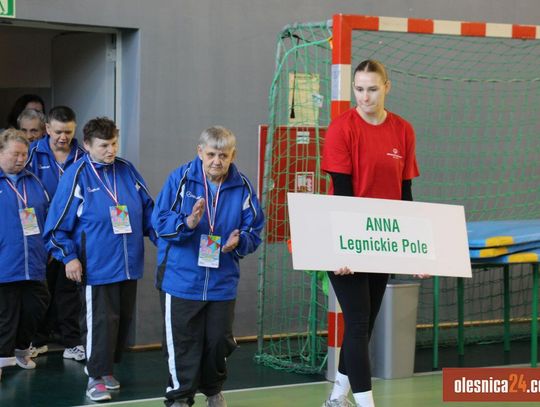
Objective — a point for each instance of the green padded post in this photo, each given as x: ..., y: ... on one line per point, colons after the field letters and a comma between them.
x: 461, y: 313
x: 506, y: 280
x: 313, y: 321
x: 534, y: 319
x: 435, y: 322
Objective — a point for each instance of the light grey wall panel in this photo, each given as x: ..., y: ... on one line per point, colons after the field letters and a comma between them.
x: 206, y: 62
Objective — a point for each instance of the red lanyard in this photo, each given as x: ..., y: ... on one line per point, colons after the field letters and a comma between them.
x: 23, y: 197
x: 112, y: 194
x: 211, y: 216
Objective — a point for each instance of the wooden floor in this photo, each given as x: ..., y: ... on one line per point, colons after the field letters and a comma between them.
x: 60, y: 383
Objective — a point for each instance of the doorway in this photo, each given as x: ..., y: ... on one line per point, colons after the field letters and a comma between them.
x: 75, y: 66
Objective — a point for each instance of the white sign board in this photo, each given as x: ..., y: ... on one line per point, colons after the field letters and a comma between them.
x: 378, y: 235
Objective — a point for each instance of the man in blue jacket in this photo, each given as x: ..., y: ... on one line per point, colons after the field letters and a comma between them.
x: 207, y: 218
x: 95, y: 226
x: 49, y: 157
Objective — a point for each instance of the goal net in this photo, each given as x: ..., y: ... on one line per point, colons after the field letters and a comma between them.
x: 471, y: 91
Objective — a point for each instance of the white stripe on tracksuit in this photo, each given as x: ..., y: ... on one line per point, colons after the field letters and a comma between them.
x: 170, y: 344
x: 89, y: 318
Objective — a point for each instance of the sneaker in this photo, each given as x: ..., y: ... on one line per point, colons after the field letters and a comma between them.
x: 38, y: 350
x: 217, y: 400
x: 97, y: 391
x: 111, y: 383
x: 75, y: 353
x: 341, y: 401
x: 25, y: 362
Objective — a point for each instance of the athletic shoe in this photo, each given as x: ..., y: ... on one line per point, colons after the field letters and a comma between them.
x: 110, y: 382
x: 341, y: 401
x: 217, y: 400
x: 38, y: 350
x: 75, y: 353
x: 25, y: 362
x: 97, y: 391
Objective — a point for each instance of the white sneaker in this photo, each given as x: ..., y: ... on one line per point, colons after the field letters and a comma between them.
x: 25, y: 362
x: 75, y: 353
x: 341, y: 401
x: 217, y: 400
x: 36, y: 351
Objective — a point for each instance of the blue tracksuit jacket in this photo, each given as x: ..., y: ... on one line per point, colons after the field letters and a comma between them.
x: 41, y: 162
x: 22, y: 257
x: 79, y: 222
x: 178, y: 246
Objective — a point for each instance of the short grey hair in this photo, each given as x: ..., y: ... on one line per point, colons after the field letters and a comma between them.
x: 31, y: 114
x: 217, y: 137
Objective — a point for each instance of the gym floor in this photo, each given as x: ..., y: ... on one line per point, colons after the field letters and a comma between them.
x: 58, y: 383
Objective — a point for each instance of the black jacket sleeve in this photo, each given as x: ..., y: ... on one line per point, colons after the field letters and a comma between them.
x: 342, y: 184
x: 406, y: 190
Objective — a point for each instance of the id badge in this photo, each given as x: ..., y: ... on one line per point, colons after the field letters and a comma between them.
x: 120, y: 219
x: 29, y: 221
x: 209, y: 250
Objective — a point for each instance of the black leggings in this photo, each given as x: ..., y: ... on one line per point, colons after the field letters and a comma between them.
x: 360, y: 297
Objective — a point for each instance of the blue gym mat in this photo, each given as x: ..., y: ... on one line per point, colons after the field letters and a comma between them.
x: 489, y: 252
x: 498, y: 233
x: 530, y: 256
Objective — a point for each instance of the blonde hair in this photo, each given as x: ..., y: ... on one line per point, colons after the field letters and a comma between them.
x: 12, y: 135
x: 372, y: 65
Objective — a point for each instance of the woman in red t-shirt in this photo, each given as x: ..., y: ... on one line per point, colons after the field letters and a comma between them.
x: 369, y: 152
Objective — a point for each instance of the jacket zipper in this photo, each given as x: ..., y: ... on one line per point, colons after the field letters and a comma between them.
x: 207, y: 277
x: 126, y: 258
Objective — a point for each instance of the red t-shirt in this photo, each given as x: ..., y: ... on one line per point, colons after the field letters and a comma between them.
x: 378, y: 157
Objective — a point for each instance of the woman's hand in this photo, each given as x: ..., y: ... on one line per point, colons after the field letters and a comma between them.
x: 232, y: 241
x: 196, y: 214
x: 74, y: 270
x: 343, y: 271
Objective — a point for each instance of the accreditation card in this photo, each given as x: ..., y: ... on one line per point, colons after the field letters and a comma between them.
x: 209, y: 250
x: 120, y: 219
x: 29, y: 221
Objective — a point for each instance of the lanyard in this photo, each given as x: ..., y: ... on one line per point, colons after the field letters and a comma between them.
x: 23, y: 197
x: 211, y: 216
x: 112, y: 194
x: 61, y: 166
